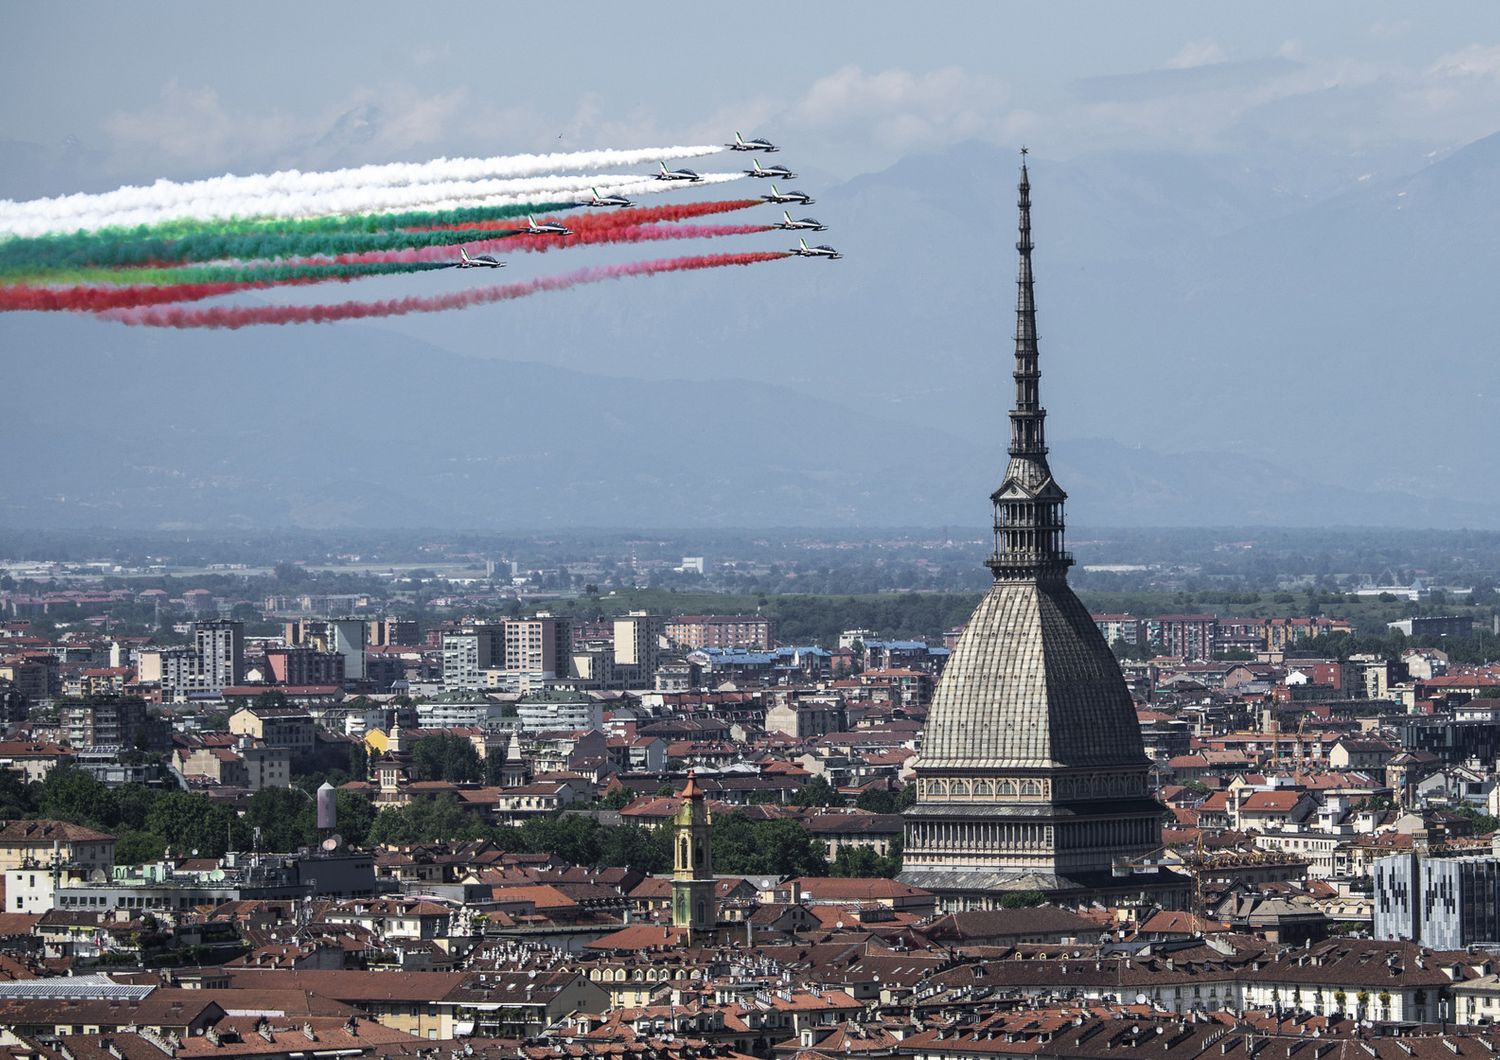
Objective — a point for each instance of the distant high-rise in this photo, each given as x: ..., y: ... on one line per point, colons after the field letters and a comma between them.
x: 1031, y: 774
x: 638, y: 645
x: 222, y: 646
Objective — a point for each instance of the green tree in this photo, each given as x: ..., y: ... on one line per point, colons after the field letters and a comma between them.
x: 818, y: 792
x: 444, y: 756
x: 766, y: 848
x: 17, y: 797
x: 138, y: 847
x: 70, y: 794
x: 617, y: 799
x: 1022, y: 899
x: 878, y: 801
x: 286, y: 817
x: 188, y: 823
x: 132, y: 803
x: 426, y: 821
x: 355, y: 816
x: 359, y: 761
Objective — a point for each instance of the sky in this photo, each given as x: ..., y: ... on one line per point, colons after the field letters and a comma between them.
x: 187, y: 89
x: 1186, y: 156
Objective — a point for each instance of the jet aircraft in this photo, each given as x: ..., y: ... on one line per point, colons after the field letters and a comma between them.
x: 551, y: 228
x: 807, y: 224
x: 758, y: 170
x: 484, y: 261
x: 756, y: 144
x: 779, y: 197
x: 676, y: 174
x: 802, y: 250
x: 605, y: 200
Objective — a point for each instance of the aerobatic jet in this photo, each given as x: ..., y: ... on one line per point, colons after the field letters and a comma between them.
x: 758, y: 170
x: 484, y: 261
x: 676, y: 174
x: 756, y: 144
x: 802, y: 250
x: 605, y: 200
x: 550, y: 228
x: 806, y: 224
x: 801, y: 198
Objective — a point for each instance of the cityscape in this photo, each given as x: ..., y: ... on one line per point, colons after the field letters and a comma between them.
x: 354, y: 769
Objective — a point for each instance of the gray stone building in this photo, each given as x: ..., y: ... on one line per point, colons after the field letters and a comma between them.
x: 1031, y: 774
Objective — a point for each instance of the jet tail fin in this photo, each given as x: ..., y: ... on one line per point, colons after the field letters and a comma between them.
x: 788, y: 215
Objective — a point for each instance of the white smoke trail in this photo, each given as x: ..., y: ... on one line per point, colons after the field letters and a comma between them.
x: 166, y: 194
x: 444, y: 195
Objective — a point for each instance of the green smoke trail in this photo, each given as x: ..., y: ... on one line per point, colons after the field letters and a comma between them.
x: 200, y: 274
x: 204, y: 241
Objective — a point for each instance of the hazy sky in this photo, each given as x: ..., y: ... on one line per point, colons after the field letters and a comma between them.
x: 191, y: 89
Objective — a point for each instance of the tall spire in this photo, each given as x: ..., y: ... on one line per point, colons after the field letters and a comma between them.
x: 1027, y: 419
x: 1029, y: 503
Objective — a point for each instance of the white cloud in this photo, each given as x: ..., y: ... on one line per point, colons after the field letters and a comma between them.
x: 904, y: 110
x: 1197, y: 53
x: 1474, y: 60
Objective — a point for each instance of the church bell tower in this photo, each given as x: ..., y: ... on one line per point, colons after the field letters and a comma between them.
x: 693, y: 903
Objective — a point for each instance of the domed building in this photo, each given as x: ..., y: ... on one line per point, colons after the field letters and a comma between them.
x: 1031, y: 774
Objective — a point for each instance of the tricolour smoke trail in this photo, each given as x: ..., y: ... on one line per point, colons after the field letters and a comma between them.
x: 638, y: 215
x: 210, y: 243
x: 291, y: 205
x: 243, y: 316
x: 294, y: 204
x: 311, y: 269
x: 199, y: 241
x: 64, y: 212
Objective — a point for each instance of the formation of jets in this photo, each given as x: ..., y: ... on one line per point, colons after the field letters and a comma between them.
x: 484, y: 261
x: 752, y: 145
x: 548, y: 228
x: 806, y: 224
x: 776, y: 197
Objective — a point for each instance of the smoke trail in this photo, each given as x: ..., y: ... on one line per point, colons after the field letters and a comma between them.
x: 639, y: 215
x: 544, y: 243
x: 58, y: 299
x: 198, y: 241
x: 81, y: 252
x: 280, y: 205
x: 294, y: 205
x: 313, y: 269
x: 64, y: 210
x: 243, y: 316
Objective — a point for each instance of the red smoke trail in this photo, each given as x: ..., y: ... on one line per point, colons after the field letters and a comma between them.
x: 97, y: 298
x: 621, y: 234
x: 242, y: 316
x: 636, y: 215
